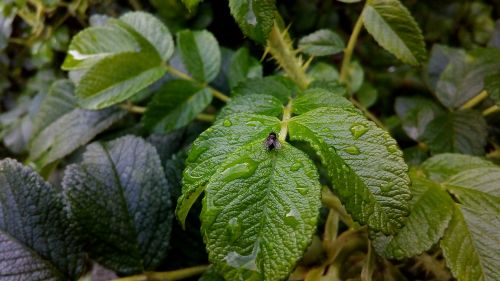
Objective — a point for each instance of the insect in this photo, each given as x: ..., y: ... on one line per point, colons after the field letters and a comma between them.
x: 272, y: 142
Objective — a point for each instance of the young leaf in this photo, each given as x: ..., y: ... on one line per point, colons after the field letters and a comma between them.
x: 211, y: 148
x: 277, y: 86
x: 253, y: 103
x: 393, y: 27
x: 316, y: 97
x: 175, y: 105
x: 461, y: 131
x: 191, y: 4
x: 430, y: 212
x: 364, y: 164
x: 242, y: 67
x: 322, y: 42
x: 120, y: 198
x: 37, y: 239
x: 255, y: 17
x: 200, y: 54
x: 415, y: 114
x: 69, y: 131
x: 260, y: 211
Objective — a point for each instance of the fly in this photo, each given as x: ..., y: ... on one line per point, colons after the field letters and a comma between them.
x: 272, y: 142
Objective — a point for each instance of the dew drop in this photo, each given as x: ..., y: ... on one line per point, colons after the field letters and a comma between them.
x: 392, y: 148
x: 253, y: 123
x: 227, y: 123
x: 325, y: 130
x: 242, y: 169
x: 387, y: 187
x: 234, y: 228
x: 295, y: 167
x: 250, y: 17
x: 195, y: 152
x: 357, y: 130
x: 352, y: 150
x: 292, y: 218
x: 239, y: 261
x: 345, y: 169
x: 302, y: 190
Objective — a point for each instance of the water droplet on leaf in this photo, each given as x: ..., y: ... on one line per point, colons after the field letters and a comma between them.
x: 227, y: 123
x: 302, y: 190
x: 236, y: 260
x: 392, y: 148
x: 241, y: 169
x: 352, y: 150
x: 357, y: 130
x: 387, y: 187
x: 292, y: 218
x: 234, y: 229
x: 295, y: 167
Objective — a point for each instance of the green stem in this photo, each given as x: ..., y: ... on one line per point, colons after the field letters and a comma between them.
x: 287, y: 114
x: 133, y: 108
x: 475, y: 100
x: 333, y: 203
x: 368, y: 114
x: 280, y: 47
x: 346, y: 60
x: 206, y: 117
x: 492, y: 109
x: 168, y: 275
x: 179, y: 74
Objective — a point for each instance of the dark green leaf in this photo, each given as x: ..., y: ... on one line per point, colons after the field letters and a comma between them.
x: 415, y: 114
x: 175, y: 105
x: 253, y: 103
x: 323, y: 72
x: 322, y: 42
x: 277, y: 86
x: 367, y: 94
x: 364, y: 164
x: 440, y: 57
x: 393, y: 27
x: 211, y: 148
x: 120, y: 198
x: 492, y: 86
x: 211, y: 275
x: 441, y: 167
x: 191, y: 4
x: 242, y: 67
x: 37, y: 239
x: 461, y: 131
x: 255, y: 17
x: 200, y: 54
x: 316, y: 97
x: 260, y: 210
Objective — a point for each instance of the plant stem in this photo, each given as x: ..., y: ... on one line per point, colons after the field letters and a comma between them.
x: 475, y: 100
x: 206, y: 117
x: 287, y: 114
x: 280, y: 47
x: 133, y: 108
x: 332, y: 202
x: 368, y: 113
x: 168, y: 275
x: 490, y: 110
x: 346, y: 60
x: 179, y: 74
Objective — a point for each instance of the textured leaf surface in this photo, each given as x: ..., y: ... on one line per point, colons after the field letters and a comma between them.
x: 253, y: 103
x: 211, y: 149
x: 175, y: 105
x: 492, y: 85
x: 430, y: 212
x: 441, y: 167
x: 393, y: 27
x: 260, y: 211
x: 322, y: 42
x: 317, y: 97
x: 200, y: 54
x: 37, y: 240
x: 242, y: 67
x: 120, y: 197
x: 439, y: 59
x: 461, y: 131
x: 115, y: 78
x: 364, y: 164
x: 277, y: 86
x: 415, y: 114
x: 255, y: 17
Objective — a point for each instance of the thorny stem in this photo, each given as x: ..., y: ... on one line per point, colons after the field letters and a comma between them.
x: 168, y: 275
x: 179, y: 74
x: 346, y: 60
x: 280, y: 48
x: 287, y: 114
x: 475, y: 100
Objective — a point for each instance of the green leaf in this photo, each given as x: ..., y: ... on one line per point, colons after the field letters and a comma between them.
x: 69, y: 132
x: 355, y: 76
x: 153, y: 30
x: 416, y: 113
x: 322, y: 42
x: 242, y: 67
x: 492, y: 86
x: 191, y: 4
x: 117, y: 78
x: 364, y: 164
x: 175, y: 105
x: 211, y: 148
x: 393, y: 27
x: 37, y: 239
x: 277, y: 86
x: 253, y: 103
x: 460, y: 131
x: 260, y: 210
x: 211, y: 275
x: 440, y: 57
x: 430, y: 212
x: 317, y: 97
x: 322, y: 71
x: 200, y: 54
x: 255, y: 17
x: 120, y: 198
x: 441, y: 167
x: 470, y: 244
x: 95, y: 43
